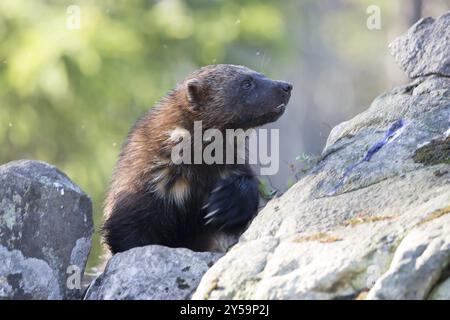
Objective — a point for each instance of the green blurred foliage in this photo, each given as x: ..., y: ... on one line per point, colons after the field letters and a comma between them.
x: 69, y: 96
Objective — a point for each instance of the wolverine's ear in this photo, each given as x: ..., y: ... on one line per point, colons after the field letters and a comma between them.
x: 194, y: 92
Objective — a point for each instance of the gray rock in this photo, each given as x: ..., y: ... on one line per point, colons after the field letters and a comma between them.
x: 45, y: 232
x: 417, y: 264
x: 371, y: 218
x: 26, y: 278
x: 442, y: 291
x: 151, y: 272
x: 424, y: 49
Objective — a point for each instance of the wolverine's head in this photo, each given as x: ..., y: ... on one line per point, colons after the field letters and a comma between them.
x: 232, y: 96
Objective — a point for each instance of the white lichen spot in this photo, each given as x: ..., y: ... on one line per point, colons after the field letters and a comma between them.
x: 8, y: 218
x: 59, y: 186
x: 17, y: 199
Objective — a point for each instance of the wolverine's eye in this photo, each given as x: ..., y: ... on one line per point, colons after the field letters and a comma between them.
x: 247, y: 84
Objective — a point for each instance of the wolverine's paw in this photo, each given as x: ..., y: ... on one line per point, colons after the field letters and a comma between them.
x: 232, y: 203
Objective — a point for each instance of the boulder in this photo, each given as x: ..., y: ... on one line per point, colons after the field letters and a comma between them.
x: 371, y: 219
x: 151, y: 273
x: 45, y: 232
x: 424, y: 50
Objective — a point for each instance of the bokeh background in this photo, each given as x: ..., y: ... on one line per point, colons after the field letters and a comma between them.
x: 68, y: 95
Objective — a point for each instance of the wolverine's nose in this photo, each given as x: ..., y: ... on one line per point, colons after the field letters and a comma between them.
x: 285, y: 86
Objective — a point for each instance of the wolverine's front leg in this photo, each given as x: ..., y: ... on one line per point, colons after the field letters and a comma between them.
x: 232, y: 203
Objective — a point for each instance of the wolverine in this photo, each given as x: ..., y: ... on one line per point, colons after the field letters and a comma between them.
x: 203, y: 207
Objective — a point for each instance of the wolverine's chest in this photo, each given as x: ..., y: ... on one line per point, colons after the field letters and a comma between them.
x: 187, y: 185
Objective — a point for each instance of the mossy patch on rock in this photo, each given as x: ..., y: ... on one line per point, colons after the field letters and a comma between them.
x: 436, y: 214
x: 365, y: 219
x: 435, y: 152
x: 321, y: 237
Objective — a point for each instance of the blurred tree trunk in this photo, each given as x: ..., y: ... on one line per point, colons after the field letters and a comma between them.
x: 416, y: 11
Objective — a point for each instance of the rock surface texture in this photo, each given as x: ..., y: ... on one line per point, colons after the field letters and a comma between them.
x: 372, y: 218
x: 424, y: 49
x: 45, y: 232
x: 151, y: 272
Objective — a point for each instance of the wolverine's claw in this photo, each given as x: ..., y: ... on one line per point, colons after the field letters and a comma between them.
x: 206, y: 206
x: 216, y: 189
x: 212, y: 213
x: 231, y: 203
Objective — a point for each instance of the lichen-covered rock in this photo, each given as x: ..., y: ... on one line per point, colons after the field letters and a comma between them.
x: 418, y: 263
x: 372, y: 218
x: 424, y: 50
x: 45, y: 232
x: 151, y: 273
x: 26, y: 278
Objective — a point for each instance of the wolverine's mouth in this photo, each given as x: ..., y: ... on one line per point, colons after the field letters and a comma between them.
x: 269, y: 116
x: 279, y: 110
x: 280, y: 107
x: 276, y: 111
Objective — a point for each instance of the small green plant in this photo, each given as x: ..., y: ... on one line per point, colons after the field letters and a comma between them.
x: 266, y: 191
x: 302, y: 165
